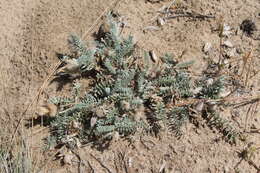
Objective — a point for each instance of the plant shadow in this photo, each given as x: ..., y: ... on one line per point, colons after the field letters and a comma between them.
x: 40, y: 120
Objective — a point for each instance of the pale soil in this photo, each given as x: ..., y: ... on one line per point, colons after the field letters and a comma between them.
x: 33, y: 31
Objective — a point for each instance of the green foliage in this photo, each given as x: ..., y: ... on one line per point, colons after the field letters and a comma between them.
x: 185, y: 64
x: 224, y: 126
x: 60, y: 100
x: 125, y: 96
x: 177, y: 117
x: 77, y: 44
x: 85, y: 59
x: 212, y: 91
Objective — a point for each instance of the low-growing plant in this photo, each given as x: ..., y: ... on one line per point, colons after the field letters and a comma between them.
x: 127, y: 93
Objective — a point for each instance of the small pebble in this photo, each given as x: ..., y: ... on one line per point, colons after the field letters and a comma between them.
x: 76, y: 125
x: 232, y: 53
x: 226, y: 30
x: 227, y: 43
x: 207, y: 47
x: 160, y: 21
x: 93, y: 121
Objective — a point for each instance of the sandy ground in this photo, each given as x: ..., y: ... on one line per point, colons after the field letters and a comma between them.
x: 33, y: 31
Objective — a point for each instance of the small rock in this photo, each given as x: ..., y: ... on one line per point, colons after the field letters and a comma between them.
x: 209, y: 81
x: 67, y: 159
x: 226, y: 30
x: 224, y: 94
x: 227, y: 43
x: 225, y: 61
x: 207, y: 47
x: 160, y: 21
x: 232, y: 53
x: 199, y: 106
x: 212, y: 107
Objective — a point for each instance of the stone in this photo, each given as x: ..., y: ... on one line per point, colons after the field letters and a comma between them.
x: 207, y: 47
x: 160, y: 21
x: 227, y: 43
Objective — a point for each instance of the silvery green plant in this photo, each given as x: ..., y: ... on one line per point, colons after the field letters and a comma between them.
x: 128, y: 93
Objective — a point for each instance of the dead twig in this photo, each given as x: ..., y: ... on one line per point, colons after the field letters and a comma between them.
x: 81, y: 162
x: 191, y: 15
x: 164, y: 9
x: 92, y: 169
x: 122, y: 157
x: 101, y: 164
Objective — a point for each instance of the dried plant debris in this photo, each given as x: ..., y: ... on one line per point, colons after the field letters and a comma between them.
x: 155, y: 1
x: 248, y: 27
x: 129, y: 93
x: 47, y: 109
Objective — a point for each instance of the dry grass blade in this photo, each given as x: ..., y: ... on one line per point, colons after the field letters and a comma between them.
x: 35, y: 99
x: 111, y: 6
x: 252, y: 110
x: 246, y: 57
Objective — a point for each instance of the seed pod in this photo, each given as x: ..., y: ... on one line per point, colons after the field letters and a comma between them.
x: 75, y: 124
x: 93, y: 121
x: 71, y: 67
x: 199, y: 106
x: 125, y: 105
x: 139, y: 114
x: 99, y: 112
x: 212, y: 107
x: 47, y: 109
x: 103, y: 30
x: 153, y: 56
